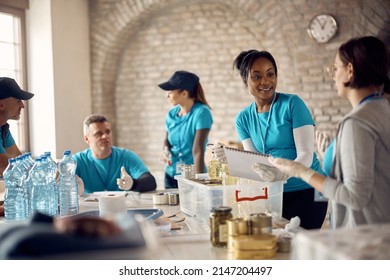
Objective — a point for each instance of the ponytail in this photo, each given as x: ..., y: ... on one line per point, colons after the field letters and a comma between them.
x: 199, y: 95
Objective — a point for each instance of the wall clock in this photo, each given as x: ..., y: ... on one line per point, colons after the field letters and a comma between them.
x: 322, y: 28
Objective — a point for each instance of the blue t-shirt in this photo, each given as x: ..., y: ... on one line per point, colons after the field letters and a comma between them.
x: 9, y: 140
x: 327, y: 162
x: 276, y: 128
x: 181, y: 133
x: 101, y: 174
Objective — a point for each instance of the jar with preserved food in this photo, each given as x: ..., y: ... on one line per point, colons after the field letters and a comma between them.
x: 218, y: 226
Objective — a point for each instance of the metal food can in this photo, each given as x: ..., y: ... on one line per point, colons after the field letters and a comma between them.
x: 260, y: 223
x: 188, y: 171
x: 236, y: 227
x: 284, y: 244
x: 173, y: 198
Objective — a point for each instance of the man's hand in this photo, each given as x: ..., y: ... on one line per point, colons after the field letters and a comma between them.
x: 292, y: 168
x: 219, y: 153
x: 125, y: 182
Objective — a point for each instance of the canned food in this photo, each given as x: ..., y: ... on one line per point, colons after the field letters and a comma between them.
x: 260, y: 223
x: 173, y: 198
x: 188, y: 171
x: 218, y: 227
x: 236, y: 227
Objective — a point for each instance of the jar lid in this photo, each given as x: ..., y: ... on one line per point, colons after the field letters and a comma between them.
x: 223, y: 209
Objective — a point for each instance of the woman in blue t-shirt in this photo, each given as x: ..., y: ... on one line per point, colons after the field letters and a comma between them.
x: 281, y: 125
x: 187, y: 125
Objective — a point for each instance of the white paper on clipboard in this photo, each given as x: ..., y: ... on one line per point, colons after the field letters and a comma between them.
x: 240, y: 164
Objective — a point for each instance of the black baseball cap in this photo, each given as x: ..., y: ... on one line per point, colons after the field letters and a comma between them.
x: 9, y: 88
x: 181, y: 80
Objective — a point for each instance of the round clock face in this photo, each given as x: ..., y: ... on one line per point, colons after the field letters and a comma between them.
x: 322, y: 28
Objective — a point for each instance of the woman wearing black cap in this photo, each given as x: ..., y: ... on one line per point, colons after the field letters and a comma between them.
x: 187, y: 125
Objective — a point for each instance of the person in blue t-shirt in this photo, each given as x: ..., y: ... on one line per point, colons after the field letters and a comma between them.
x: 12, y: 99
x: 278, y: 124
x: 187, y: 125
x: 104, y: 167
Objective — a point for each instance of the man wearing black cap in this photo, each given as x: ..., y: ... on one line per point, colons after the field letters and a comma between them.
x: 11, y: 105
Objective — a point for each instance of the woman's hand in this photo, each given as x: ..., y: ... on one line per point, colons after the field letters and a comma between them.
x: 265, y: 172
x: 219, y: 153
x: 166, y: 156
x: 323, y: 141
x: 292, y: 168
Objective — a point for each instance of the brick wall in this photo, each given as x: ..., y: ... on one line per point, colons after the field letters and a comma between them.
x: 137, y: 44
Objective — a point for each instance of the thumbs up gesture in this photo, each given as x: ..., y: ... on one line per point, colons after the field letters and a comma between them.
x: 125, y: 182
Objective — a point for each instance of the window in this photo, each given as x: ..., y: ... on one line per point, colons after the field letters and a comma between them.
x: 12, y: 60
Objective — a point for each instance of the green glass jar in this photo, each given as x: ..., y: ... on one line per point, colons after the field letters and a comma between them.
x: 218, y: 226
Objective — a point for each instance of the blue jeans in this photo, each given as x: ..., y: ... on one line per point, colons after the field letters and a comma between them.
x: 170, y: 182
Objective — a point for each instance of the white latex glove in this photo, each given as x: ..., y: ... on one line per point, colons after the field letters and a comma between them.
x: 323, y: 141
x: 266, y: 173
x: 125, y: 182
x: 166, y: 156
x: 292, y: 168
x: 219, y: 153
x: 293, y: 225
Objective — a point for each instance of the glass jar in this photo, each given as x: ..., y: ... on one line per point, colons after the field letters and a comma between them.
x: 218, y: 226
x: 225, y: 175
x: 214, y: 169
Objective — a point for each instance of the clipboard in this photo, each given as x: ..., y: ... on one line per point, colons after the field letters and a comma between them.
x: 240, y: 164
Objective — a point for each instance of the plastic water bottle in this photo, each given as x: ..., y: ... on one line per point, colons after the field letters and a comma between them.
x: 43, y: 197
x: 10, y: 191
x: 51, y: 173
x: 16, y: 196
x: 28, y: 162
x: 67, y: 185
x: 21, y: 203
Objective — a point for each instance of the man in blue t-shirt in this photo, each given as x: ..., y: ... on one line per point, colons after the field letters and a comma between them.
x: 103, y: 167
x: 11, y: 104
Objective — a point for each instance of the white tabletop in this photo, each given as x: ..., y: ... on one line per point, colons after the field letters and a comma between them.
x: 190, y: 242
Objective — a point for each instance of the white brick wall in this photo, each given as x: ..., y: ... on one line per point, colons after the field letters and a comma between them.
x: 137, y: 44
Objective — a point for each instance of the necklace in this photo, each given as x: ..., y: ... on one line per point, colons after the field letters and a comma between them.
x: 263, y: 138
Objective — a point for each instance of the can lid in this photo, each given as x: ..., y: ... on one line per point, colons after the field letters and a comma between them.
x: 223, y: 209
